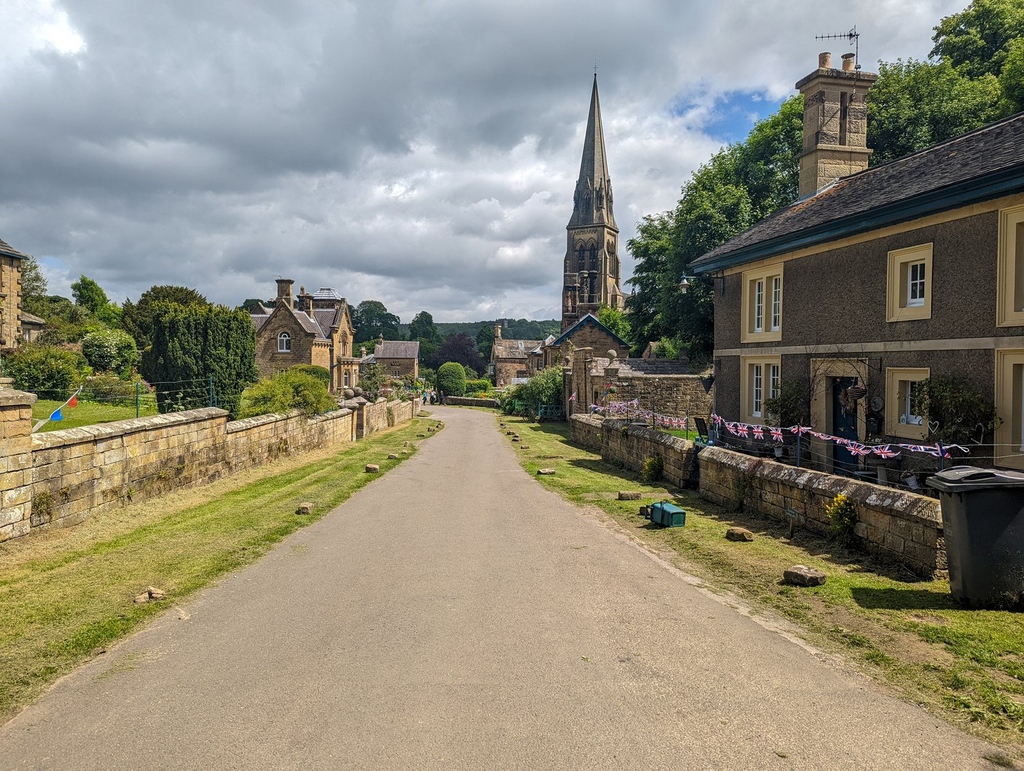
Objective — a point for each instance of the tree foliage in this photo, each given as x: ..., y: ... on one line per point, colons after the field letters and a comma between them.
x: 424, y: 329
x: 196, y: 348
x: 373, y: 379
x: 372, y: 320
x: 462, y: 348
x: 137, y: 318
x: 111, y: 350
x: 287, y: 391
x: 485, y: 341
x: 451, y: 379
x: 50, y: 372
x: 978, y: 40
x: 33, y: 287
x: 616, y: 321
x: 544, y: 388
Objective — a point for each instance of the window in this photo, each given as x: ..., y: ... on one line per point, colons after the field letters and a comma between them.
x: 909, y: 290
x: 902, y: 415
x: 761, y: 310
x: 760, y: 380
x: 1010, y: 284
x: 284, y: 343
x: 346, y: 380
x: 1009, y: 433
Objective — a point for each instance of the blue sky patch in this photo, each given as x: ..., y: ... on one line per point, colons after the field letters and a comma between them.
x: 733, y: 116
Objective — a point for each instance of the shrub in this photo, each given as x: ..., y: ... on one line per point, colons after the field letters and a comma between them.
x: 956, y: 406
x: 543, y: 388
x: 111, y: 350
x: 653, y: 468
x: 481, y: 386
x: 451, y: 379
x: 320, y: 373
x: 842, y: 519
x: 50, y: 372
x: 285, y: 392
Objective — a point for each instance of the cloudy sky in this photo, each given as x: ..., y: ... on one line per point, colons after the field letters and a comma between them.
x: 418, y: 152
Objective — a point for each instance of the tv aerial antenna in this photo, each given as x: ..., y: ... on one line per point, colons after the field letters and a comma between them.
x: 853, y: 36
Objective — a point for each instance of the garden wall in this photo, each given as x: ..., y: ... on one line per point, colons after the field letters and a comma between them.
x: 897, y: 526
x: 631, y: 445
x: 62, y: 477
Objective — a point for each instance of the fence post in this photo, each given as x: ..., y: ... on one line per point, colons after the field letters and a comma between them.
x: 138, y: 387
x: 211, y: 391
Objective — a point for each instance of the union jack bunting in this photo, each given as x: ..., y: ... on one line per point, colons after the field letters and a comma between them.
x: 758, y: 432
x: 742, y: 429
x: 777, y: 434
x: 856, y: 448
x: 885, y: 451
x: 731, y: 428
x: 717, y: 419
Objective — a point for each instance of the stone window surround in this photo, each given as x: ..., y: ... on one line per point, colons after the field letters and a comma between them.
x: 765, y: 276
x: 747, y: 369
x: 284, y: 343
x: 898, y: 305
x: 897, y: 379
x: 1009, y: 400
x: 1010, y: 281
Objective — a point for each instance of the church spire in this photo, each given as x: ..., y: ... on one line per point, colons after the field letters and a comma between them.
x: 591, y: 267
x: 592, y: 201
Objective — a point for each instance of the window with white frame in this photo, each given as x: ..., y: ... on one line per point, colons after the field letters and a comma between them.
x: 760, y: 382
x: 1009, y: 392
x: 284, y: 343
x: 903, y: 415
x: 761, y: 305
x: 1010, y: 283
x: 909, y: 284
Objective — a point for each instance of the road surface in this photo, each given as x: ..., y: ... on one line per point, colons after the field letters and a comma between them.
x: 455, y: 615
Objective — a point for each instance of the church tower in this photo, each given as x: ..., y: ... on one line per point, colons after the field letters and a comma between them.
x: 591, y: 274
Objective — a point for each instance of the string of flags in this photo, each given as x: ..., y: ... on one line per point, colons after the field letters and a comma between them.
x: 889, y: 450
x: 58, y: 414
x: 633, y: 409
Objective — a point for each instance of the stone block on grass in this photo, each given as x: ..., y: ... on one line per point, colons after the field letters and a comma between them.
x: 739, y: 534
x: 545, y: 472
x: 629, y: 495
x: 372, y: 468
x: 304, y: 508
x: 801, y: 575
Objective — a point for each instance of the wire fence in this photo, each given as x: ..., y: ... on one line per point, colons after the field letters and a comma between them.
x: 149, y: 398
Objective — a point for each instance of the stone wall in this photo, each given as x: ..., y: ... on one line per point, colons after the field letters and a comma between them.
x: 630, y: 446
x: 897, y: 526
x: 62, y: 477
x: 675, y: 395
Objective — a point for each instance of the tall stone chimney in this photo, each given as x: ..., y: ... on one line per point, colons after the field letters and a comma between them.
x: 284, y: 292
x: 497, y: 331
x: 835, y: 122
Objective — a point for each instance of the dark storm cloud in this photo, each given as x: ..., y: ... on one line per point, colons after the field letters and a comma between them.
x: 420, y: 153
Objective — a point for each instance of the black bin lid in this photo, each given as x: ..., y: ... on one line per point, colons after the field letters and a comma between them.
x: 958, y: 479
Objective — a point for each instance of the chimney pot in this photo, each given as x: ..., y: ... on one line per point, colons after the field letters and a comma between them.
x: 849, y: 65
x: 825, y: 60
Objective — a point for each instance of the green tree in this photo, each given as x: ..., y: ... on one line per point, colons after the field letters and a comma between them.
x: 320, y: 373
x: 111, y: 350
x: 89, y: 295
x: 33, y: 287
x: 372, y: 320
x: 287, y: 391
x: 372, y: 379
x: 423, y: 329
x: 485, y: 341
x: 544, y: 388
x: 462, y: 348
x: 451, y: 379
x: 977, y: 40
x: 196, y: 349
x: 50, y: 372
x: 137, y: 318
x: 615, y: 320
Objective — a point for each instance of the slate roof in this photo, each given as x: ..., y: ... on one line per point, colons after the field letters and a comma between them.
x: 513, y: 349
x: 308, y: 324
x: 588, y: 320
x: 640, y: 367
x: 327, y: 318
x: 326, y: 293
x: 397, y: 349
x: 975, y: 167
x: 259, y: 319
x: 7, y: 250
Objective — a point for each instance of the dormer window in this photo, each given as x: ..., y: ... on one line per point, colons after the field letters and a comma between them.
x: 284, y: 343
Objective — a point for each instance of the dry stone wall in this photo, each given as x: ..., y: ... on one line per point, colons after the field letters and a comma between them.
x: 898, y: 526
x: 631, y: 445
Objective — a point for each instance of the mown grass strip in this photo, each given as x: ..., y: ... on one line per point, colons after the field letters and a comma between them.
x: 67, y: 594
x: 910, y: 633
x: 86, y: 413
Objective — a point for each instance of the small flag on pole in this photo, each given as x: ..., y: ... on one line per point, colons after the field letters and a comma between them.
x: 56, y: 414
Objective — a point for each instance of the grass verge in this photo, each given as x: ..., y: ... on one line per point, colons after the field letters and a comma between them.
x: 66, y: 594
x: 908, y: 633
x: 85, y: 414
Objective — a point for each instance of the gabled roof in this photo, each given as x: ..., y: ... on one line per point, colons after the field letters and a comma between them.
x: 397, y: 349
x: 6, y: 250
x: 259, y: 319
x: 308, y: 324
x: 32, y: 320
x: 327, y: 318
x: 985, y: 164
x: 512, y: 349
x: 588, y: 320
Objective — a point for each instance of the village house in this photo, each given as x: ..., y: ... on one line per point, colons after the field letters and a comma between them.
x: 877, y: 279
x: 11, y: 314
x: 399, y: 358
x: 316, y: 330
x: 510, y: 358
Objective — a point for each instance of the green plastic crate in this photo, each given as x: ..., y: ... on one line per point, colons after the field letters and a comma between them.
x: 667, y: 514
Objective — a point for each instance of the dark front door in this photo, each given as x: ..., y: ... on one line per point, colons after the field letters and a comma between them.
x: 844, y: 424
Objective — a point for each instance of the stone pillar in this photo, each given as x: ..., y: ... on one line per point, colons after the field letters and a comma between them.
x: 15, y: 463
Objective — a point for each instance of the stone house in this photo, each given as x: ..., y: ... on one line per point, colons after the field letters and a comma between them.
x: 316, y: 330
x: 588, y: 332
x: 876, y: 279
x: 510, y: 359
x: 400, y: 358
x: 10, y: 296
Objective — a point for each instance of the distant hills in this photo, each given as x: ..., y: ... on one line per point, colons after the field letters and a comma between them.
x: 512, y: 329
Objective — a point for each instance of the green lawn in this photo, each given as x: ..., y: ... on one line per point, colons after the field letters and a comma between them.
x: 86, y: 413
x: 967, y: 665
x: 67, y: 594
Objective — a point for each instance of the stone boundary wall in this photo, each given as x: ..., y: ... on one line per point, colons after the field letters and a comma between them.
x: 471, y: 401
x: 895, y: 525
x: 61, y: 478
x: 631, y: 445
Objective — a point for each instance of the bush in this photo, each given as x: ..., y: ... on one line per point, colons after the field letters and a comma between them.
x: 111, y: 350
x: 842, y: 519
x: 451, y: 379
x: 543, y: 388
x: 50, y: 372
x: 477, y: 387
x: 285, y: 392
x: 320, y: 373
x: 653, y: 468
x: 107, y: 388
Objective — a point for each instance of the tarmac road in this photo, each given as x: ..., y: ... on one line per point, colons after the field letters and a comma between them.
x: 454, y: 615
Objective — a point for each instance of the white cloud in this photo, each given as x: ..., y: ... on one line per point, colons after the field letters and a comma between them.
x: 422, y: 154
